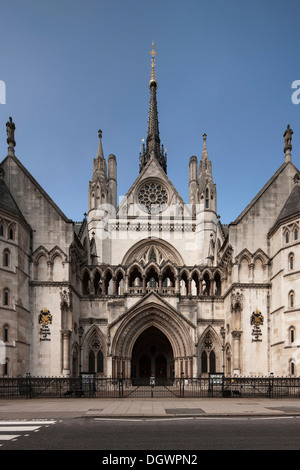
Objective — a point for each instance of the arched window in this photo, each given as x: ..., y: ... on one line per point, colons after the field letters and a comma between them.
x: 292, y: 335
x: 291, y: 299
x: 292, y: 368
x: 96, y: 362
x: 204, y: 362
x: 6, y: 257
x: 5, y: 334
x: 212, y: 362
x: 296, y: 234
x: 206, y: 284
x: 208, y: 362
x: 6, y: 296
x: 91, y: 362
x: 100, y: 362
x: 97, y: 283
x: 11, y: 234
x: 291, y: 261
x: 217, y: 284
x: 287, y: 237
x: 86, y: 283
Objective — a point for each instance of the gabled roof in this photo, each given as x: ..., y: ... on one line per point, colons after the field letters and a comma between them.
x: 290, y: 209
x: 7, y: 202
x: 38, y: 186
x: 292, y: 205
x: 262, y: 191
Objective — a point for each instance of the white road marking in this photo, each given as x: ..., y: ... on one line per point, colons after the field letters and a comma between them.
x: 19, y: 422
x: 21, y: 426
x: 8, y: 437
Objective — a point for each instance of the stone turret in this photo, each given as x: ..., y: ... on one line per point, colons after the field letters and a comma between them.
x: 102, y: 199
x: 206, y: 209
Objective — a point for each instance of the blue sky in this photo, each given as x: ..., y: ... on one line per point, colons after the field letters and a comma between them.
x: 224, y: 68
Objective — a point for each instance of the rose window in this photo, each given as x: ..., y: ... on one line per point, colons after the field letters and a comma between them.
x: 153, y: 197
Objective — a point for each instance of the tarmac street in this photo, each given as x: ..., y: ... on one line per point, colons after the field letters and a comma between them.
x: 148, y: 407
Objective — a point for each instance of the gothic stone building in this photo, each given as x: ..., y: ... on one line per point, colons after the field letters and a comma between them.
x: 153, y: 286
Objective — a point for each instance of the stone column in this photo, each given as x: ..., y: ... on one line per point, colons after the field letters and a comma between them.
x: 144, y: 283
x: 66, y: 352
x: 159, y: 283
x: 114, y: 286
x: 177, y: 284
x: 236, y: 335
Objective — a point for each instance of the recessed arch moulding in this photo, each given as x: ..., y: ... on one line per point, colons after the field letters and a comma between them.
x: 178, y: 330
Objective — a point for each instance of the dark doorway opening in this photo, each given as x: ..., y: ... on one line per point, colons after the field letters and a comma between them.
x: 152, y: 355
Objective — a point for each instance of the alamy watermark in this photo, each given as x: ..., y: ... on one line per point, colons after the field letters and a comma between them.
x: 296, y: 94
x: 2, y: 92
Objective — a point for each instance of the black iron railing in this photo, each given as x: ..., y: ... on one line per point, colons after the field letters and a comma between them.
x: 215, y: 386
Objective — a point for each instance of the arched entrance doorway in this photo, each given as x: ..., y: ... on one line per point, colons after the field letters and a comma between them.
x: 152, y: 355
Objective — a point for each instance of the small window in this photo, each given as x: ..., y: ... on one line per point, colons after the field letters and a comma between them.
x: 206, y: 198
x: 1, y: 230
x: 6, y: 258
x: 5, y: 334
x: 292, y: 368
x: 292, y: 299
x: 292, y: 335
x: 291, y: 261
x: 296, y: 234
x: 6, y: 297
x: 287, y: 237
x: 11, y: 234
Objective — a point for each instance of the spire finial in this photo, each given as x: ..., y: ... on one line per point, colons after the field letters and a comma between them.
x: 153, y: 54
x: 100, y: 149
x: 204, y: 151
x: 288, y: 143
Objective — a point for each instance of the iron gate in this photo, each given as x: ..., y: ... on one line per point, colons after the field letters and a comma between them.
x: 202, y: 387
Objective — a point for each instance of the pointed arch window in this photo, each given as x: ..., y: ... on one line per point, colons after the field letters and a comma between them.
x: 292, y: 368
x: 204, y: 362
x: 6, y: 296
x: 5, y: 334
x: 96, y: 359
x: 292, y: 335
x: 291, y: 261
x: 208, y: 362
x: 6, y: 257
x: 291, y: 299
x: 287, y: 237
x: 11, y: 233
x: 86, y: 284
x: 212, y: 362
x: 208, y: 356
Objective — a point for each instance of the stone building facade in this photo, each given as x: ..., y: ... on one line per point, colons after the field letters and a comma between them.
x: 152, y: 286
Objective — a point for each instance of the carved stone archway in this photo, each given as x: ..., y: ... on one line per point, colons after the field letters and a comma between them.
x: 153, y: 314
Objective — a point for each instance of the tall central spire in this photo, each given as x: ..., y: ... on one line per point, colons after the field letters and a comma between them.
x: 153, y: 147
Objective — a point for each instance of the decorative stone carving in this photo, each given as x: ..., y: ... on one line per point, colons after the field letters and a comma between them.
x: 236, y: 300
x: 65, y: 297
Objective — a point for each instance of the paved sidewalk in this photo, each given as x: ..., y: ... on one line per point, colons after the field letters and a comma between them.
x: 146, y: 408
